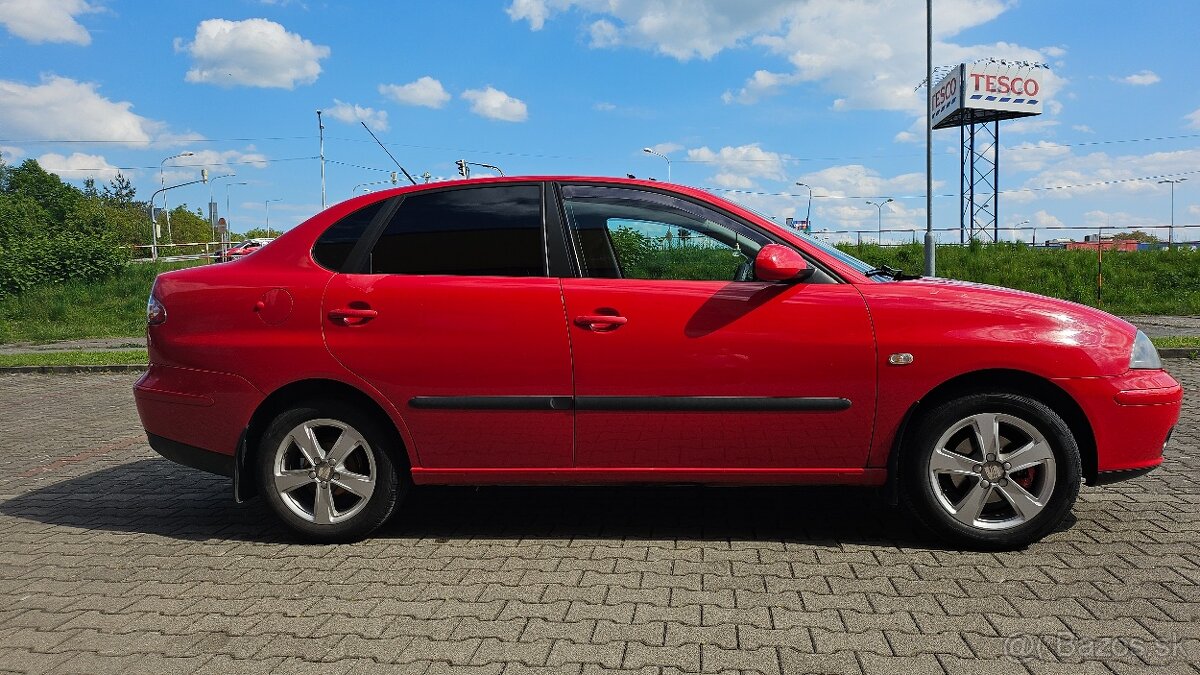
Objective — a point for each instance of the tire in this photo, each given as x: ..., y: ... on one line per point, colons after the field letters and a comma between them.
x: 326, y: 499
x: 993, y: 471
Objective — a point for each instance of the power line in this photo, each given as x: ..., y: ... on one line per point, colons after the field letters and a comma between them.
x: 265, y: 160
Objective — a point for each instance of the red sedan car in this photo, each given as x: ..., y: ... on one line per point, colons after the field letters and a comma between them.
x: 243, y: 249
x: 582, y: 330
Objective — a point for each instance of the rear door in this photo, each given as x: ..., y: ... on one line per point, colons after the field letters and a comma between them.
x: 454, y: 319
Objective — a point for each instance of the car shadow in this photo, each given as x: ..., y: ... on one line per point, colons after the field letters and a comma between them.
x: 155, y: 496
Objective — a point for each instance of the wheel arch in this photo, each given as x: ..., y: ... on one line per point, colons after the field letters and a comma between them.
x: 287, y: 396
x: 1004, y: 380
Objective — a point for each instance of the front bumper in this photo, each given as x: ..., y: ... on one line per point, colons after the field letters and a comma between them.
x: 1131, y: 416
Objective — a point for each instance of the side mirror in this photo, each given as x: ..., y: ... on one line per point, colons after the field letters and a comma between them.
x: 776, y: 262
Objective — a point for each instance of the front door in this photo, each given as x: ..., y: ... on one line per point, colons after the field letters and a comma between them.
x: 683, y: 360
x: 454, y: 319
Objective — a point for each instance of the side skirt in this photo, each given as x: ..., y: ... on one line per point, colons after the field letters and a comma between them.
x: 618, y: 475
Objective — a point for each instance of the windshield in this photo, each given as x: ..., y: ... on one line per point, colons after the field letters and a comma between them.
x: 844, y: 257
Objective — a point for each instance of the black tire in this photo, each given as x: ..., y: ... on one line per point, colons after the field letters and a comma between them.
x: 1049, y: 489
x: 378, y: 456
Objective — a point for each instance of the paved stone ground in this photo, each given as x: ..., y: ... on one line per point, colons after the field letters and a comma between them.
x: 1155, y: 326
x: 115, y: 560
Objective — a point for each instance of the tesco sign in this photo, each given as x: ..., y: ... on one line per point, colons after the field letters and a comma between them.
x: 985, y: 92
x: 1003, y: 84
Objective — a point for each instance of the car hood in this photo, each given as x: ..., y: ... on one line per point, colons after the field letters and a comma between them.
x: 1016, y: 328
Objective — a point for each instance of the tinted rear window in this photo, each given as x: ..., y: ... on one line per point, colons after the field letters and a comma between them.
x: 483, y: 231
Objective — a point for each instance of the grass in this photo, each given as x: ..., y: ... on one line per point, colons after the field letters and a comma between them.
x: 1179, y: 341
x: 1134, y: 282
x: 113, y: 307
x: 109, y: 358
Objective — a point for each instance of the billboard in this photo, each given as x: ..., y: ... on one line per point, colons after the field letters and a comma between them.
x: 987, y: 91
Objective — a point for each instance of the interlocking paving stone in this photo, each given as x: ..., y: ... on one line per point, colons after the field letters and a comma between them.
x: 113, y: 559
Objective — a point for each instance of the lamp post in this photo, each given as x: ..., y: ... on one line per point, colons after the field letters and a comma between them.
x: 162, y: 182
x: 227, y: 209
x: 808, y: 215
x: 879, y: 207
x: 1171, y: 232
x: 267, y: 208
x: 212, y: 216
x: 153, y: 225
x: 659, y: 154
x: 1018, y: 228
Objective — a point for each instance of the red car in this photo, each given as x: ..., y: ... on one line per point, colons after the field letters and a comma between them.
x: 245, y: 248
x: 567, y: 330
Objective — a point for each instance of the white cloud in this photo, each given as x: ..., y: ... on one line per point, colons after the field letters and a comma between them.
x: 1193, y: 119
x: 761, y: 84
x: 40, y: 21
x: 666, y: 148
x: 737, y: 166
x: 352, y: 113
x: 78, y: 166
x: 1085, y: 129
x: 9, y: 154
x: 605, y: 106
x: 1054, y: 52
x: 424, y: 91
x: 1030, y: 125
x: 1099, y: 172
x: 63, y: 109
x: 1044, y: 220
x: 497, y: 105
x: 604, y: 34
x: 1140, y: 78
x: 905, y: 137
x: 252, y: 53
x: 1033, y: 156
x: 863, y: 53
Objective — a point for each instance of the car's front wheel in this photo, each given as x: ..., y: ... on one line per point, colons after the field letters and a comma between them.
x: 994, y: 471
x: 327, y: 471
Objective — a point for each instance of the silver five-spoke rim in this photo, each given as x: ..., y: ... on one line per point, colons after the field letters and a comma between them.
x: 324, y: 471
x: 992, y: 471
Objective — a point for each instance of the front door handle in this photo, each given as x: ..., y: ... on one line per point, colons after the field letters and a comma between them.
x: 351, y: 316
x: 600, y: 323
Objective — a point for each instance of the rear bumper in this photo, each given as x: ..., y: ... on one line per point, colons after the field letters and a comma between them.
x: 1131, y: 416
x: 190, y: 455
x: 197, y: 409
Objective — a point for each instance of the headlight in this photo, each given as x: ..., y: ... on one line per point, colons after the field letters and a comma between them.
x: 1144, y: 354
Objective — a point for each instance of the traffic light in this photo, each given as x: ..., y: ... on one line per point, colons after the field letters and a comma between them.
x: 463, y: 169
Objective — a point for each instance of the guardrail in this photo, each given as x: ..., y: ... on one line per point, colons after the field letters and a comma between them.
x: 198, y: 250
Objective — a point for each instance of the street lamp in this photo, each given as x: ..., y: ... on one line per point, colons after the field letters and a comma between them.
x: 1017, y: 229
x: 162, y: 182
x: 1171, y: 232
x: 808, y: 216
x: 267, y: 208
x: 659, y: 154
x: 879, y: 208
x: 229, y: 221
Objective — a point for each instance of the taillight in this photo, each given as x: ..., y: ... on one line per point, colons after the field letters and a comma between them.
x: 155, y: 312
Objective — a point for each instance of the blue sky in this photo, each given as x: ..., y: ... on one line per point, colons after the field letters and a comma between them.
x: 746, y: 97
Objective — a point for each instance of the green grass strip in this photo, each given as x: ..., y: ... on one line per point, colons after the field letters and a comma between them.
x: 111, y: 358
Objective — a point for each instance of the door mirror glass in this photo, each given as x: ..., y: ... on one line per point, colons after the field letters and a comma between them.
x: 776, y: 262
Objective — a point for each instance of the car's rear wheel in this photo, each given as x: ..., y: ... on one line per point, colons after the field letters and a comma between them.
x: 993, y: 471
x: 328, y: 471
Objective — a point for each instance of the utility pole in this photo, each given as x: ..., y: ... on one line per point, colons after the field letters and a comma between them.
x: 321, y: 135
x: 267, y: 208
x: 808, y: 216
x: 930, y: 263
x: 879, y: 225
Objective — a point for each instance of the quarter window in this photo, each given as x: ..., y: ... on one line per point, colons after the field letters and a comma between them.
x: 334, y: 246
x: 482, y: 231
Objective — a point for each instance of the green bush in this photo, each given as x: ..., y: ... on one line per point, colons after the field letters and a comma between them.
x: 50, y: 259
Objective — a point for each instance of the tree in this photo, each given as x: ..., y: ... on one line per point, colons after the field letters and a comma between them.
x: 31, y: 180
x: 119, y: 191
x: 1137, y: 235
x: 259, y: 233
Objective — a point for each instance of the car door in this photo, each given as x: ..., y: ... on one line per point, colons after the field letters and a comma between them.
x: 453, y: 317
x: 681, y: 359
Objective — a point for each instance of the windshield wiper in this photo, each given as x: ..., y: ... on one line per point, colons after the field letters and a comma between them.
x: 895, y: 274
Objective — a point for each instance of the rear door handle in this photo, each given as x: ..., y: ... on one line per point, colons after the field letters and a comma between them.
x: 600, y: 323
x: 348, y: 316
